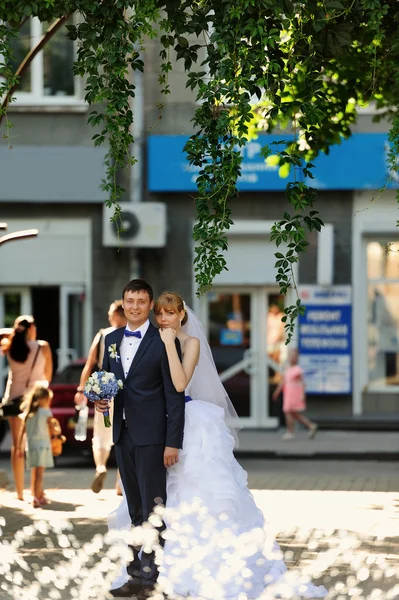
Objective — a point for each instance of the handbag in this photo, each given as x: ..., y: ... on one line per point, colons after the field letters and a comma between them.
x: 12, y: 408
x: 56, y: 437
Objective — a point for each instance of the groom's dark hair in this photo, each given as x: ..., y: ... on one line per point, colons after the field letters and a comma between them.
x: 138, y: 285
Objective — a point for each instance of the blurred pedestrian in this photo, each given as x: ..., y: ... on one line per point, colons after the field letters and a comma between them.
x: 35, y: 418
x: 29, y: 360
x: 102, y: 436
x: 275, y: 341
x: 275, y: 333
x: 294, y: 397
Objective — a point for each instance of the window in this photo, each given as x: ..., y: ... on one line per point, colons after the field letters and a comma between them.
x: 383, y: 313
x: 49, y: 79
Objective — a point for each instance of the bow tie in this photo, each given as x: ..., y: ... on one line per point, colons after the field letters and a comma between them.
x: 136, y: 334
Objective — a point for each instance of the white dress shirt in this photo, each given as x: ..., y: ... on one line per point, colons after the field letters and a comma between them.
x: 130, y: 345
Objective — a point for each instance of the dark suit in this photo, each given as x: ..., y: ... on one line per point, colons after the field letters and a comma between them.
x: 154, y: 418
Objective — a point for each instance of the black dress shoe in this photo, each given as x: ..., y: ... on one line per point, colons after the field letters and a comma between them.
x: 146, y: 591
x: 145, y: 594
x: 128, y: 590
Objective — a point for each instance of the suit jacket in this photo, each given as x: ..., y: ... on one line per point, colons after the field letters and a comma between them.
x: 154, y: 410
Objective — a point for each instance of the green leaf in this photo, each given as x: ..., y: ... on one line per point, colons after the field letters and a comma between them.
x: 183, y: 42
x: 284, y: 170
x: 333, y: 4
x: 273, y: 160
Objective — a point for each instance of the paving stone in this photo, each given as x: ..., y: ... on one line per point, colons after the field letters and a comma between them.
x: 347, y: 539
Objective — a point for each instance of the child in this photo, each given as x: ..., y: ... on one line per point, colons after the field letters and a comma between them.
x: 36, y: 414
x: 294, y: 399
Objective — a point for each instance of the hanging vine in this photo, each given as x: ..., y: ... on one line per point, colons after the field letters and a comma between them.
x: 301, y: 67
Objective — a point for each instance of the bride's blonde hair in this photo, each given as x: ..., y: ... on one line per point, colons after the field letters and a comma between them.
x: 171, y: 301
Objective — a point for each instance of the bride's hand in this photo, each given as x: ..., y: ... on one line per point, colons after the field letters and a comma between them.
x: 168, y: 335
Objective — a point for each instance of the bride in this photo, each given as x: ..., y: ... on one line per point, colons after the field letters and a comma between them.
x: 216, y: 541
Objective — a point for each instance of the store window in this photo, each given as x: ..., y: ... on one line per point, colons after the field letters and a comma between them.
x: 383, y: 313
x: 230, y: 340
x: 49, y: 79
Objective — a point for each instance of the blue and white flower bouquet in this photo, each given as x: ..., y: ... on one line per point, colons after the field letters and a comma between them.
x: 102, y: 385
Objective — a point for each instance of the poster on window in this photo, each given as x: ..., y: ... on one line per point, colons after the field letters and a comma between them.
x: 325, y: 339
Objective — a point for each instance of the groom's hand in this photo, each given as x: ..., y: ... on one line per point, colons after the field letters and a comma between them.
x: 102, y: 405
x: 170, y: 456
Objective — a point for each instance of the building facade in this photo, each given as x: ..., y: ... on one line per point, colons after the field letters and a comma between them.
x: 68, y: 275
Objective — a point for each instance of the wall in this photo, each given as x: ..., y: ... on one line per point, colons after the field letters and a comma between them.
x: 51, y: 126
x: 373, y: 403
x: 170, y: 264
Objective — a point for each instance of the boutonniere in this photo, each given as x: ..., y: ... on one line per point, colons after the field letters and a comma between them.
x: 113, y: 353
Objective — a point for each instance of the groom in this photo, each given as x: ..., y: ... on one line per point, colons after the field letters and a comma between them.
x: 148, y: 421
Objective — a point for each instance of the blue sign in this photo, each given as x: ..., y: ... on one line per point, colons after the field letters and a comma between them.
x: 231, y: 337
x: 358, y: 163
x: 325, y: 339
x: 169, y: 170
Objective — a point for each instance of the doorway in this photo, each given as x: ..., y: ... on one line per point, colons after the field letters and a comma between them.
x: 14, y: 301
x: 72, y: 325
x: 60, y: 315
x: 247, y: 341
x: 45, y: 309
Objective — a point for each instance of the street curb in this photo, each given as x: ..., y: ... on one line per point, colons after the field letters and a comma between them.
x: 272, y: 455
x: 356, y: 456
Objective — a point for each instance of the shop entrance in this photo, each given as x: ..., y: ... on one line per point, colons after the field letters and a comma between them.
x: 60, y: 319
x: 14, y: 301
x: 247, y: 341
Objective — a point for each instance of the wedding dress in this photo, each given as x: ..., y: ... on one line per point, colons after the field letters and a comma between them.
x: 217, y: 543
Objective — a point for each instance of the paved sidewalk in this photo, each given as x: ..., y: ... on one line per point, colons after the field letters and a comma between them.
x: 360, y: 445
x: 336, y: 521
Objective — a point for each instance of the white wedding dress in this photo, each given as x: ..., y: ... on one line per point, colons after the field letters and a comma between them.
x: 217, y: 544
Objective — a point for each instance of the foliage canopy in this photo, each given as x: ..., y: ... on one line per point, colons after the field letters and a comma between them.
x: 309, y: 66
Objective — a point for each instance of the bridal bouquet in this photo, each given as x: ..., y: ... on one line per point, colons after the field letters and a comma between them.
x: 102, y: 385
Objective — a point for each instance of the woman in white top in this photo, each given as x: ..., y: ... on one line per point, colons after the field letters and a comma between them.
x: 29, y: 361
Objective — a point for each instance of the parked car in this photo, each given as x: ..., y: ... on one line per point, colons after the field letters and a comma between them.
x: 64, y: 386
